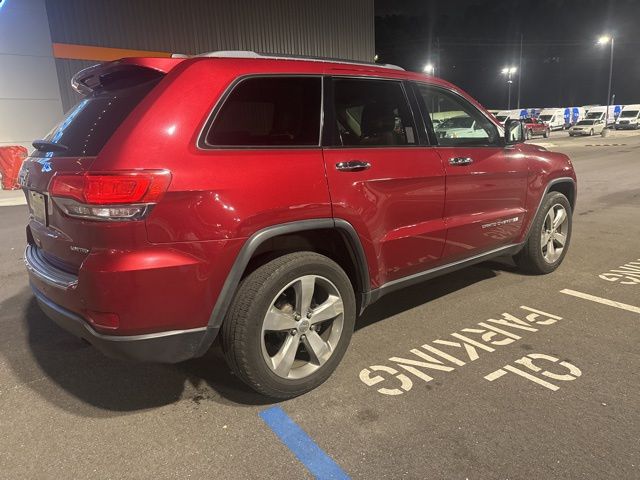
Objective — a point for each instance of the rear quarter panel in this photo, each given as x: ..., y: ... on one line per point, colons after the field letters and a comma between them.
x: 215, y: 194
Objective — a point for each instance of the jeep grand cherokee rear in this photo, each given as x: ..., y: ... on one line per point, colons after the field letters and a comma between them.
x: 272, y: 199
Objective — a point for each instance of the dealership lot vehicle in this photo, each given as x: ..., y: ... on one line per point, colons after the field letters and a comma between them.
x: 600, y: 112
x: 554, y: 118
x: 629, y: 118
x: 113, y: 257
x: 533, y: 127
x: 505, y: 115
x: 587, y: 127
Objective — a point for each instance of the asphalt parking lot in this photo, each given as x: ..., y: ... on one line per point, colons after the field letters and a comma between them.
x: 540, y: 376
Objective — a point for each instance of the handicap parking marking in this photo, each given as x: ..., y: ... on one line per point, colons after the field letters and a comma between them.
x: 319, y: 464
x: 604, y: 301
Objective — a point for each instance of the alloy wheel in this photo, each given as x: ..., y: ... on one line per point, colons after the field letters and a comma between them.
x: 554, y: 233
x: 302, y: 327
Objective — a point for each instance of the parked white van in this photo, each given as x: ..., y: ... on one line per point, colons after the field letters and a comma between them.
x: 553, y: 117
x: 629, y: 117
x: 504, y: 115
x: 598, y: 113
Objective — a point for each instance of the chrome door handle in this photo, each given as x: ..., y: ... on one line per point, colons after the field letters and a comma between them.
x: 460, y: 161
x: 353, y: 166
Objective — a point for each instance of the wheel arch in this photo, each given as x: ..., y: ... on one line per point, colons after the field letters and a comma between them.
x: 293, y: 230
x: 564, y: 185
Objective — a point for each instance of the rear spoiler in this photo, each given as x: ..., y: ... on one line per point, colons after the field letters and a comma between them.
x: 90, y: 78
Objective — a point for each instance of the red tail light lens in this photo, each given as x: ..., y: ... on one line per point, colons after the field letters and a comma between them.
x: 111, y: 188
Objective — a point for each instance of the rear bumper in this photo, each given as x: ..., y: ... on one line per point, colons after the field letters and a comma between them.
x: 165, y: 347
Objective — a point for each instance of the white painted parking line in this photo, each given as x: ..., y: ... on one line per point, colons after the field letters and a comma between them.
x: 604, y: 301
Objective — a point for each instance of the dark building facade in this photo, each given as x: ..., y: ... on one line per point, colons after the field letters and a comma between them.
x: 329, y: 28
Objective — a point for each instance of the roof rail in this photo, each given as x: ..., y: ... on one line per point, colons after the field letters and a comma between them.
x: 285, y: 56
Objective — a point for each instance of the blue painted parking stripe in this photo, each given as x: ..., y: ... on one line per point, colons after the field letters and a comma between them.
x: 308, y: 452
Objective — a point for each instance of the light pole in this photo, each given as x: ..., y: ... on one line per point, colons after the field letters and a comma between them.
x: 429, y: 69
x: 509, y: 71
x: 603, y: 40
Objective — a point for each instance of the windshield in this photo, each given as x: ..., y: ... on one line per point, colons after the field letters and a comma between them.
x: 629, y: 114
x: 457, y: 122
x: 529, y: 120
x: 87, y: 127
x: 586, y: 122
x: 595, y: 115
x: 545, y: 118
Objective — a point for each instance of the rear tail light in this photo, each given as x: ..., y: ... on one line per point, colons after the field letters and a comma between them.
x: 109, y: 196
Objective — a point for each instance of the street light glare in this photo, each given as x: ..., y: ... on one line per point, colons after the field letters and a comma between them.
x: 604, y: 39
x: 428, y: 68
x: 511, y: 70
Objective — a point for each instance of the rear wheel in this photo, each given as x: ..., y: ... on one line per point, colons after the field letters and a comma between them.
x: 290, y: 324
x: 549, y: 236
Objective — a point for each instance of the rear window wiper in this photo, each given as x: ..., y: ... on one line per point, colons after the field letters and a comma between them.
x: 45, y: 146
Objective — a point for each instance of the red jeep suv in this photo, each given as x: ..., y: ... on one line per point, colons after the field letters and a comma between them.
x: 270, y: 200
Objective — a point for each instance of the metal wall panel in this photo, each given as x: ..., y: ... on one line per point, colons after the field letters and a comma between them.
x: 331, y: 28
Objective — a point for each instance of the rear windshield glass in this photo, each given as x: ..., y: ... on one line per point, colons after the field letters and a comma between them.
x: 86, y: 128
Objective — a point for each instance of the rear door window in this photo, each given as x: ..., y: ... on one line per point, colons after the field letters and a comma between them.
x: 87, y: 127
x: 269, y: 112
x: 372, y: 113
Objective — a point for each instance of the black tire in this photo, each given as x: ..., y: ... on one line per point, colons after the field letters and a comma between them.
x: 591, y: 132
x: 527, y: 134
x: 530, y: 259
x: 546, y: 133
x: 242, y: 328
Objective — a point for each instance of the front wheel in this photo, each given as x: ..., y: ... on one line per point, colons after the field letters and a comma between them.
x: 549, y: 236
x: 591, y: 132
x: 546, y: 133
x: 290, y: 324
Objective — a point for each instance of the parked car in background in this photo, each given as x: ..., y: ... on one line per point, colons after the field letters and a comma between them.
x: 629, y: 117
x: 459, y: 127
x: 189, y: 198
x: 587, y: 127
x: 533, y: 127
x: 553, y: 118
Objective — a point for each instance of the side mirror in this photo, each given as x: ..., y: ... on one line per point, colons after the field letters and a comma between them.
x: 513, y: 132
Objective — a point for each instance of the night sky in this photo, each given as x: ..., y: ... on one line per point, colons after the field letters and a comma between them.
x: 562, y: 64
